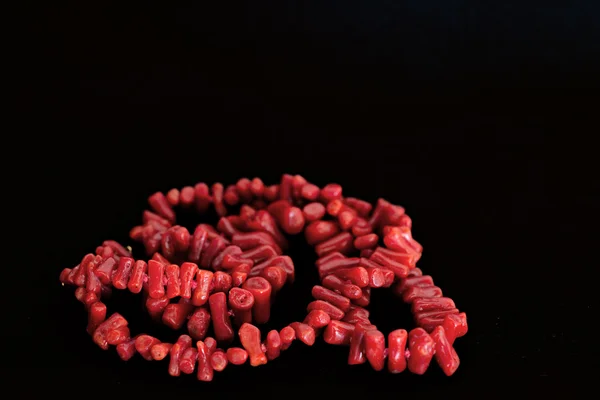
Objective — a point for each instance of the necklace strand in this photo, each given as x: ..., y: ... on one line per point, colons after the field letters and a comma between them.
x: 227, y: 277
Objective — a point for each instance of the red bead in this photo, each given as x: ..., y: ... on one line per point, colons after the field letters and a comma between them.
x: 205, y: 369
x: 317, y: 319
x: 220, y: 317
x: 197, y: 244
x: 241, y: 302
x: 366, y: 241
x: 188, y: 360
x: 327, y: 267
x: 118, y: 336
x: 160, y: 351
x: 222, y: 282
x: 96, y: 315
x: 204, y: 280
x: 313, y: 212
x: 415, y: 292
x: 287, y: 336
x: 396, y: 350
x: 455, y: 326
x: 161, y: 206
x: 187, y: 196
x: 173, y: 282
x: 123, y: 274
x: 421, y: 347
x: 218, y: 361
x: 357, y: 275
x: 143, y: 345
x: 349, y: 290
x: 276, y: 276
x: 357, y: 315
x: 338, y: 332
x: 137, y: 275
x: 261, y: 290
x: 375, y: 348
x: 362, y: 207
x: 319, y: 231
x: 333, y: 311
x: 199, y: 323
x: 310, y: 192
x: 273, y: 345
x: 445, y: 355
x: 341, y: 243
x: 321, y: 293
x: 250, y: 339
x: 173, y: 196
x: 305, y: 333
x: 115, y: 321
x: 156, y: 272
x: 247, y: 241
x: 183, y: 343
x: 236, y: 355
x: 105, y: 270
x: 156, y: 307
x: 356, y: 355
x: 126, y: 350
x: 175, y: 315
x: 331, y: 192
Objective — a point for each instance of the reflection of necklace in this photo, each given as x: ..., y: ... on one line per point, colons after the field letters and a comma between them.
x: 235, y: 271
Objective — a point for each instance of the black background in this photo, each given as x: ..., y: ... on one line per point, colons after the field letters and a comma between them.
x: 468, y: 113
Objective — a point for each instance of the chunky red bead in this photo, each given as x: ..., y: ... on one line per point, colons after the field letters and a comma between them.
x: 199, y: 323
x: 188, y: 360
x: 156, y: 307
x: 183, y: 343
x: 175, y: 314
x: 204, y: 280
x: 319, y: 231
x: 305, y: 333
x: 341, y: 242
x: 327, y: 267
x: 313, y: 212
x: 348, y: 290
x: 276, y: 276
x: 96, y: 316
x: 321, y: 293
x: 126, y: 350
x: 445, y: 355
x: 143, y: 345
x: 236, y: 355
x: 397, y: 350
x: 205, y: 369
x: 357, y: 275
x: 115, y: 321
x: 356, y: 355
x: 317, y: 319
x: 118, y: 336
x: 338, y: 332
x: 220, y: 317
x: 160, y: 351
x: 218, y: 360
x: 241, y: 302
x: 455, y: 326
x: 421, y: 347
x: 273, y: 345
x: 287, y: 336
x: 375, y: 348
x: 250, y: 339
x: 123, y: 274
x: 261, y: 291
